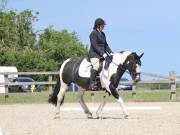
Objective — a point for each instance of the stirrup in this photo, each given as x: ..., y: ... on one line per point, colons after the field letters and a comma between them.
x: 93, y: 87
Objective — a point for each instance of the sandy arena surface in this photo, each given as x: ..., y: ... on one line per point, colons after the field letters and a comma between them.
x: 38, y: 119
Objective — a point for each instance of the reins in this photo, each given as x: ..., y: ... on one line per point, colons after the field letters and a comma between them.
x: 121, y: 67
x: 118, y: 66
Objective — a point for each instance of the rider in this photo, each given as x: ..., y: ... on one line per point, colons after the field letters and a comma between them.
x: 99, y: 49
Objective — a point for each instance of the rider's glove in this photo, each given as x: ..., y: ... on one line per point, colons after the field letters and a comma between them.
x: 104, y: 55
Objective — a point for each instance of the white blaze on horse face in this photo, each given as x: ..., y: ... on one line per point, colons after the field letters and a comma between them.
x: 138, y: 68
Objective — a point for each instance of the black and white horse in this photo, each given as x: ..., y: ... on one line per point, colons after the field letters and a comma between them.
x: 78, y: 71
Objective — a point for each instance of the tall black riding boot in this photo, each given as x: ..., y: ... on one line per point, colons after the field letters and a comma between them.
x: 93, y: 84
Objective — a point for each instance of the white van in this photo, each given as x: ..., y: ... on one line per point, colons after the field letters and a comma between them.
x: 2, y: 77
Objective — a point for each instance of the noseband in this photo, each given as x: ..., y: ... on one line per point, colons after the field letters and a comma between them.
x: 124, y: 67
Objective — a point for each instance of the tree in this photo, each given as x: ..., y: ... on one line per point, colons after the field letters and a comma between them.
x: 61, y: 45
x: 33, y: 60
x: 8, y: 29
x: 6, y: 56
x: 19, y: 45
x: 26, y: 34
x: 16, y: 30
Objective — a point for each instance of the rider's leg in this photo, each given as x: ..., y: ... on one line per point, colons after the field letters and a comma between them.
x: 94, y: 71
x: 93, y: 84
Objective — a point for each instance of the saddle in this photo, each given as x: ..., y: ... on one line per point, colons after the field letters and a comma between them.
x: 85, y: 67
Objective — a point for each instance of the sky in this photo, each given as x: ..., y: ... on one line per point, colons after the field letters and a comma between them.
x: 149, y: 26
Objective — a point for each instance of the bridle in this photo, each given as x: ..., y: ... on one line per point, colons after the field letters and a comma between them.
x: 120, y: 66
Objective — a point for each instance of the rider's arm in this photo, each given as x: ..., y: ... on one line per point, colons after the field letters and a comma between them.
x: 93, y: 40
x: 108, y: 49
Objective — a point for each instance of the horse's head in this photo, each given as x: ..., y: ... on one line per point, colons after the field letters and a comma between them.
x: 130, y: 61
x: 133, y: 64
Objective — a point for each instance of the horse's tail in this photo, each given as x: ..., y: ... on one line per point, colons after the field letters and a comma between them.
x: 53, y: 96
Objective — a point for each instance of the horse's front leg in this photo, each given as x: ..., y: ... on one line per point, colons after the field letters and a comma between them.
x: 82, y: 103
x: 120, y: 101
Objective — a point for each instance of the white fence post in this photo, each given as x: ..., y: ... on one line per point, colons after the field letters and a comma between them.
x: 6, y: 87
x: 50, y: 82
x: 134, y: 90
x: 172, y: 77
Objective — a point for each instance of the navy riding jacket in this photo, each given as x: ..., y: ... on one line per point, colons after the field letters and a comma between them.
x: 99, y: 45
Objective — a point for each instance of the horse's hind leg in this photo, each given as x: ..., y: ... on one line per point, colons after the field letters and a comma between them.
x: 82, y: 103
x: 60, y: 98
x: 101, y: 106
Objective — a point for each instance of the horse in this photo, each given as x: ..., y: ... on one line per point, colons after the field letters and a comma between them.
x: 77, y: 71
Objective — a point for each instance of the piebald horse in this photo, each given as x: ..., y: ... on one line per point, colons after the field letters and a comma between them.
x: 77, y: 71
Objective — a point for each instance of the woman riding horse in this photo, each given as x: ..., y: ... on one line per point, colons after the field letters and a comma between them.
x: 98, y: 50
x: 109, y: 78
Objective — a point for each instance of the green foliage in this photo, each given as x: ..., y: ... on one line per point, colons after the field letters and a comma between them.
x: 8, y: 34
x: 21, y: 47
x: 25, y: 33
x: 6, y: 56
x: 61, y: 45
x: 16, y: 29
x: 33, y: 60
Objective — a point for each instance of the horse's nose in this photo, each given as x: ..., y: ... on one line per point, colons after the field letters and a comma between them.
x: 137, y: 78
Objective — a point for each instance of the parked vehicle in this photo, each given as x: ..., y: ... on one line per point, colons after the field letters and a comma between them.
x: 72, y: 88
x: 25, y: 87
x: 125, y: 86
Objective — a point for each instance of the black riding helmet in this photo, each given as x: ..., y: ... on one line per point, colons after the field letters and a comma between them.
x: 98, y: 22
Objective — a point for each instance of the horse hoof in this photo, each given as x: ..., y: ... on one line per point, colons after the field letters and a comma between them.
x: 57, y: 116
x: 99, y: 116
x: 89, y: 116
x: 126, y: 116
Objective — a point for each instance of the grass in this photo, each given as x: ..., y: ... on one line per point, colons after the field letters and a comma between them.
x: 42, y: 97
x: 25, y: 98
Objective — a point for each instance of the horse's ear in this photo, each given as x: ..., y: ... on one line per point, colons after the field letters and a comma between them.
x: 141, y: 55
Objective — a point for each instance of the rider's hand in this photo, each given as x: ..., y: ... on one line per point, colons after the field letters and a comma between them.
x: 104, y: 55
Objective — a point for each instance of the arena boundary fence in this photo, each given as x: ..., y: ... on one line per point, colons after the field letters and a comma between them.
x: 172, y: 79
